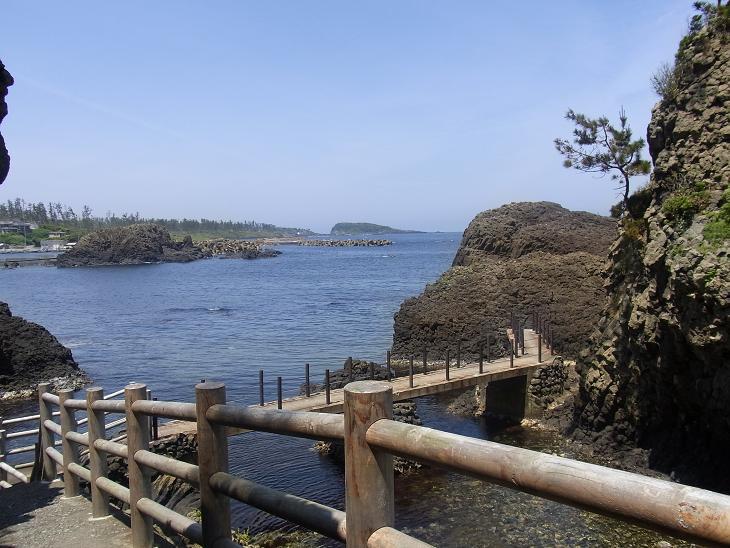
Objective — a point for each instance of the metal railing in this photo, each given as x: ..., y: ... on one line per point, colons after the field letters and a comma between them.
x: 370, y: 438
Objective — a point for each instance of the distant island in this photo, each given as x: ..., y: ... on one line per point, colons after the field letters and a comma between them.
x: 349, y: 229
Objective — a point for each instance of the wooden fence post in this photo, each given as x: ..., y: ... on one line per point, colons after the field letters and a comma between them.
x: 387, y: 363
x: 47, y: 438
x: 539, y: 347
x: 261, y: 387
x: 410, y: 371
x: 511, y: 353
x: 425, y: 359
x: 215, y: 508
x: 368, y: 472
x: 308, y: 392
x: 448, y: 362
x: 327, y: 397
x: 279, y: 395
x: 458, y: 353
x: 140, y: 485
x: 70, y: 451
x: 348, y: 368
x: 97, y: 459
x: 489, y: 350
x: 481, y: 359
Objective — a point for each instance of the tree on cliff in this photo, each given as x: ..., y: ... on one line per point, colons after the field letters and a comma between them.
x: 600, y: 147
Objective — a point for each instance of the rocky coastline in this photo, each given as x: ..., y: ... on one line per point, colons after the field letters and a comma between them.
x: 344, y: 243
x: 30, y: 354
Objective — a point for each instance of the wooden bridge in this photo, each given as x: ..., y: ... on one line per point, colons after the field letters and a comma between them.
x: 370, y: 436
x: 511, y: 398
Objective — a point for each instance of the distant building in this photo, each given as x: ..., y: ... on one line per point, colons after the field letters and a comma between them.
x: 53, y: 245
x: 16, y: 227
x: 59, y: 235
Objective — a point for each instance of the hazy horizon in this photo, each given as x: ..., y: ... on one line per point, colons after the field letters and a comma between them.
x: 412, y: 115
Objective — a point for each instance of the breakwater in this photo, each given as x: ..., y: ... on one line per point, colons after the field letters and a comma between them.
x: 344, y: 243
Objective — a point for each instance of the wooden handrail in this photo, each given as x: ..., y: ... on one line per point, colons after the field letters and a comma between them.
x: 165, y: 409
x: 80, y: 471
x: 167, y: 465
x: 310, y: 425
x: 110, y: 406
x: 387, y: 537
x: 114, y: 489
x: 13, y: 472
x: 655, y: 503
x: 52, y: 426
x: 78, y: 437
x: 51, y: 398
x: 75, y: 404
x: 174, y: 521
x: 312, y: 515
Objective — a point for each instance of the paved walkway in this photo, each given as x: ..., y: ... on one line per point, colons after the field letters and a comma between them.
x: 37, y: 514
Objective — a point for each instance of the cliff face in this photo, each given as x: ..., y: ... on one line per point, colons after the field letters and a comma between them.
x: 5, y: 82
x: 29, y: 354
x: 517, y: 257
x: 658, y: 372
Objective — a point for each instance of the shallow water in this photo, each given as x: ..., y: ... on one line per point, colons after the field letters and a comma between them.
x: 171, y: 325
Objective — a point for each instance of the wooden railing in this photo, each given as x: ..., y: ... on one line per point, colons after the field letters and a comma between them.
x: 370, y: 438
x: 12, y: 472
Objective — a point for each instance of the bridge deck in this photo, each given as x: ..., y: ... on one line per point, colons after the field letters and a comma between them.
x: 433, y: 382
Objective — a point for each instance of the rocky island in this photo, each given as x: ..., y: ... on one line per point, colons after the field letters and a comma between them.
x: 356, y: 229
x: 150, y: 243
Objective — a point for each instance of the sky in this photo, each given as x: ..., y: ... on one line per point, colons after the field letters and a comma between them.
x: 411, y: 113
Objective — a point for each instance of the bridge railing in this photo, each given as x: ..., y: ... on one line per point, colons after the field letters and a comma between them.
x: 370, y: 438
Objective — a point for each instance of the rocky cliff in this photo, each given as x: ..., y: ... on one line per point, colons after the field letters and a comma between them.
x: 5, y: 82
x: 517, y: 257
x: 658, y: 372
x: 29, y: 354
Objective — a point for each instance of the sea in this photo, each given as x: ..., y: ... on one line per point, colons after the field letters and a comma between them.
x: 171, y: 325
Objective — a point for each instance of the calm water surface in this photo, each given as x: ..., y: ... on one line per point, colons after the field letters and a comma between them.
x: 170, y: 325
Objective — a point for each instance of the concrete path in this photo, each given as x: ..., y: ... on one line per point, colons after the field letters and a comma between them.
x: 37, y: 515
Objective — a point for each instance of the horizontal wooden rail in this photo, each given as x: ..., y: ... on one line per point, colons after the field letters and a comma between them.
x: 167, y: 409
x: 21, y: 434
x: 52, y: 426
x: 312, y: 515
x: 77, y: 437
x: 80, y: 471
x: 5, y: 485
x: 13, y: 472
x: 23, y: 449
x: 387, y: 537
x: 75, y: 404
x: 669, y: 507
x: 111, y: 447
x: 178, y: 523
x: 110, y: 406
x: 167, y: 465
x: 18, y: 420
x: 114, y: 489
x: 51, y: 398
x: 55, y: 455
x: 311, y: 425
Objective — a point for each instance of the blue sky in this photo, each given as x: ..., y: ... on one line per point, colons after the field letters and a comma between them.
x: 409, y: 113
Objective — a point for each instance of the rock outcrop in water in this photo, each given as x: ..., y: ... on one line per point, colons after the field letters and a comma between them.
x: 517, y: 257
x: 6, y: 80
x: 150, y: 243
x: 29, y: 355
x: 658, y: 372
x: 344, y: 243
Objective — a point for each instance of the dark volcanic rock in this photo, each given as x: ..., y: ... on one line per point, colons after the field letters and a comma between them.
x: 518, y: 257
x: 29, y: 354
x: 135, y: 244
x: 657, y: 375
x: 6, y: 80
